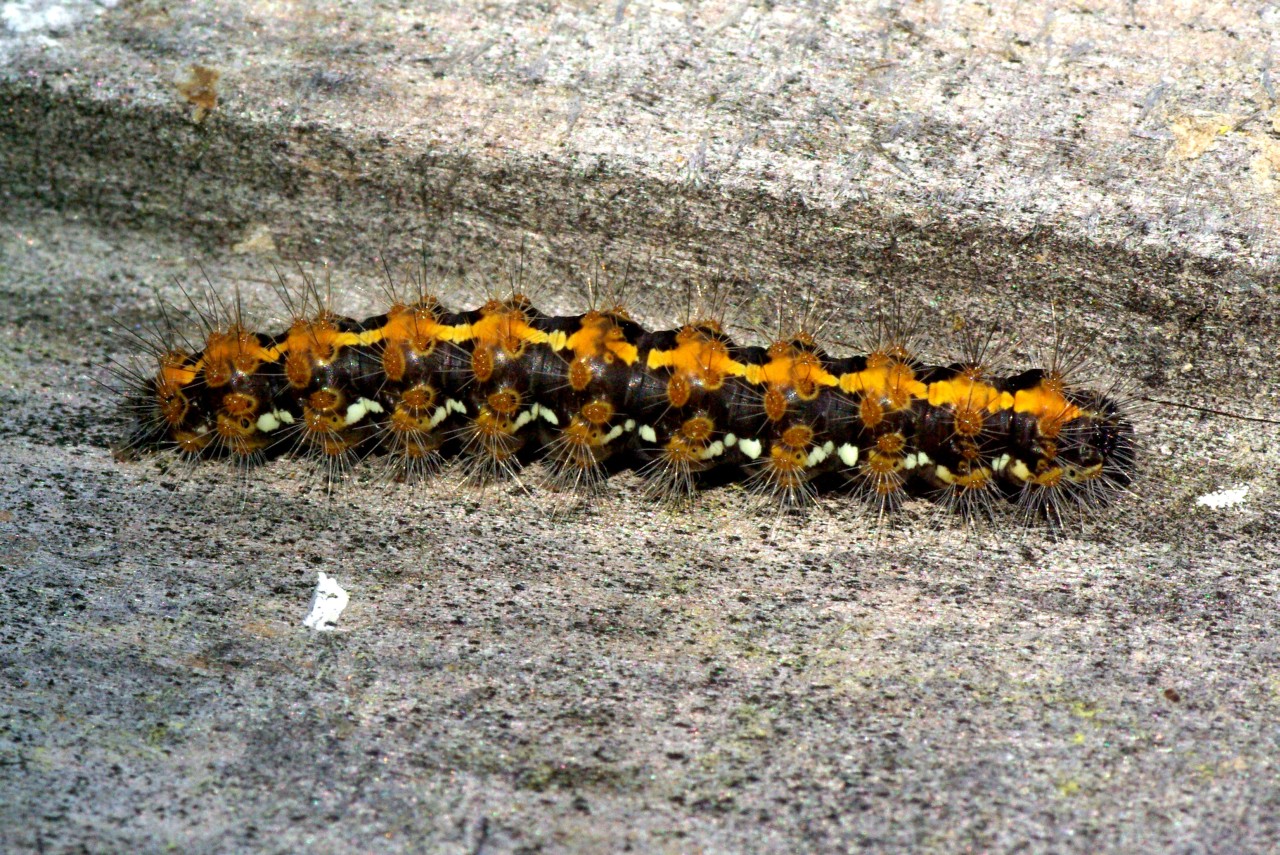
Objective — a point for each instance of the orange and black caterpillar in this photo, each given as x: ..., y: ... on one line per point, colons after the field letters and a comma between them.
x: 500, y: 384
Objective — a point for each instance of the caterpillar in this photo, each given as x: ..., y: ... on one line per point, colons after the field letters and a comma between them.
x: 502, y: 384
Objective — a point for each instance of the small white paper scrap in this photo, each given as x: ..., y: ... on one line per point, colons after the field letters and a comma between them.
x: 327, y: 604
x: 1223, y: 498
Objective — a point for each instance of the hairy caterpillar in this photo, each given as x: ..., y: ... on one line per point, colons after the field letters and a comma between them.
x: 499, y: 385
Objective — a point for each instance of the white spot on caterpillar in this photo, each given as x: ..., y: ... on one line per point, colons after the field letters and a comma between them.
x: 730, y: 440
x: 1000, y: 463
x: 361, y: 408
x: 648, y: 434
x: 267, y: 422
x: 439, y: 414
x: 915, y: 461
x: 1018, y: 470
x: 1223, y: 498
x: 750, y: 447
x: 715, y: 449
x: 629, y: 425
x: 327, y: 604
x: 820, y: 453
x: 943, y: 474
x: 451, y: 405
x: 525, y: 417
x: 548, y: 415
x: 609, y: 437
x: 849, y: 455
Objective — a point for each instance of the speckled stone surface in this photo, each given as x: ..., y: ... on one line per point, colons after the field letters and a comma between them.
x: 512, y: 677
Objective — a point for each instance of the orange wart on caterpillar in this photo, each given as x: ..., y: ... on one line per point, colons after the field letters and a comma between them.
x: 497, y: 386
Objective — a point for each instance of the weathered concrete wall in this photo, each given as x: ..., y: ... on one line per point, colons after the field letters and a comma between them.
x: 507, y: 678
x: 1129, y: 126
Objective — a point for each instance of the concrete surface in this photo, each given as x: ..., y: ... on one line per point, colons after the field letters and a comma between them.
x: 508, y: 677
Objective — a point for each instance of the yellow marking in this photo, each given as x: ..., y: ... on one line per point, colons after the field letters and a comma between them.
x: 894, y: 382
x: 177, y: 369
x: 440, y: 332
x: 417, y: 398
x: 965, y: 393
x: 318, y: 338
x: 1046, y: 403
x: 1088, y: 473
x: 311, y: 342
x: 792, y: 368
x: 785, y: 460
x: 599, y: 336
x: 891, y: 443
x: 235, y: 349
x: 698, y: 358
x: 583, y: 433
x: 505, y: 401
x: 679, y: 450
x: 1048, y: 475
x: 979, y: 478
x: 416, y: 326
x: 323, y: 422
x: 326, y: 400
x: 419, y: 327
x: 192, y: 442
x: 698, y: 429
x: 488, y: 425
x: 695, y: 452
x: 238, y: 433
x: 881, y: 463
x: 597, y: 412
x: 580, y: 433
x: 500, y: 326
x: 239, y: 404
x: 580, y: 374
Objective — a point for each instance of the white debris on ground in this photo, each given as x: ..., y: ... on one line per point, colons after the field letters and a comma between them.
x: 327, y: 604
x: 1223, y: 498
x: 41, y: 16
